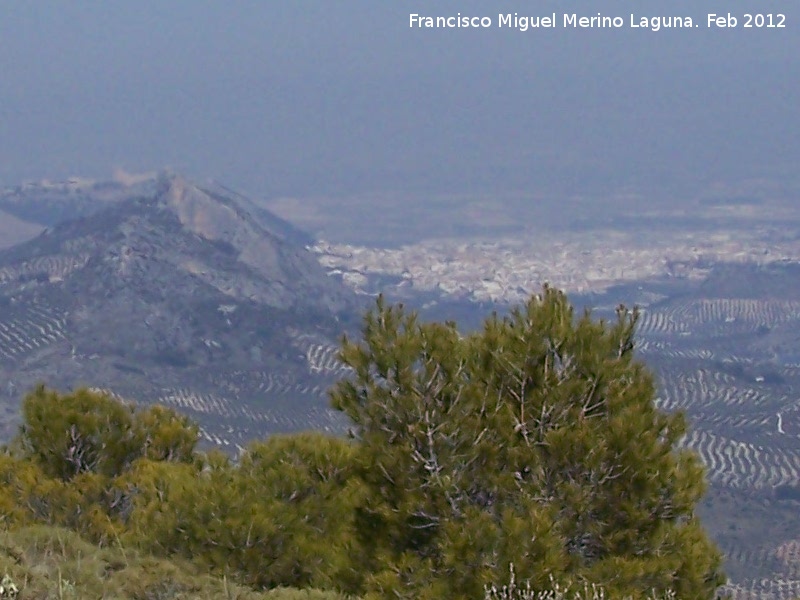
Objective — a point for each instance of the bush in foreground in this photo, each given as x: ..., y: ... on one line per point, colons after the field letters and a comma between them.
x: 49, y: 562
x: 534, y: 441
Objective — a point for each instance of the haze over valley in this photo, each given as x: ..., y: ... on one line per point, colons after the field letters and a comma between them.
x: 231, y: 314
x: 199, y: 200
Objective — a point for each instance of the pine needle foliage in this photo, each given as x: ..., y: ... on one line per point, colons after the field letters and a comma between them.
x: 90, y: 432
x: 534, y: 441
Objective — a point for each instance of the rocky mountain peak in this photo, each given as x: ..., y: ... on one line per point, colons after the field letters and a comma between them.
x: 208, y: 217
x: 172, y: 286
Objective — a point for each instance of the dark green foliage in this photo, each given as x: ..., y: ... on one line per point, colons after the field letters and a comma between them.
x: 535, y: 441
x: 78, y: 433
x: 27, y: 494
x: 279, y: 517
x: 167, y: 436
x: 306, y: 483
x: 90, y: 432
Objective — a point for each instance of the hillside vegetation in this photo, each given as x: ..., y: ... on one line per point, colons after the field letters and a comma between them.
x: 531, y: 447
x: 41, y: 562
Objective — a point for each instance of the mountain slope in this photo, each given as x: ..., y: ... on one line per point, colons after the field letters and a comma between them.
x: 181, y: 295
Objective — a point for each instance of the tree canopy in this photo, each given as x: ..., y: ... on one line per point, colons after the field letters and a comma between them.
x: 90, y: 432
x: 534, y: 441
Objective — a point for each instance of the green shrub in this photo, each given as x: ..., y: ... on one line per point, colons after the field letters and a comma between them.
x: 535, y: 441
x: 91, y: 432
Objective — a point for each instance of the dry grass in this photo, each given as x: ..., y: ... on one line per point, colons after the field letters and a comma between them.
x: 515, y: 590
x: 48, y: 563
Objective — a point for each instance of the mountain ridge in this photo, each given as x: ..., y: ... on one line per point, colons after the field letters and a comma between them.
x: 180, y: 295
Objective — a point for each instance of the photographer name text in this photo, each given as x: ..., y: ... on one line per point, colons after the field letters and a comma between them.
x: 520, y: 22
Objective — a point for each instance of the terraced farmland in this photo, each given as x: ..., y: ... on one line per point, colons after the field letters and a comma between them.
x: 51, y: 267
x: 789, y: 554
x: 774, y: 588
x: 698, y: 388
x: 731, y: 365
x: 717, y: 316
x: 29, y: 327
x: 321, y: 355
x: 234, y: 421
x: 659, y: 322
x: 740, y: 464
x: 250, y: 404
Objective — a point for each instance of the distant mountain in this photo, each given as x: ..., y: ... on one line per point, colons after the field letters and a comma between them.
x: 171, y: 292
x: 48, y: 203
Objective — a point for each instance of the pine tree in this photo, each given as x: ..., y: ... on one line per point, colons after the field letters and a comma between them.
x: 90, y: 432
x: 81, y: 432
x: 535, y: 441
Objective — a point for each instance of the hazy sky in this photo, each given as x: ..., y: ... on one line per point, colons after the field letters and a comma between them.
x: 280, y: 97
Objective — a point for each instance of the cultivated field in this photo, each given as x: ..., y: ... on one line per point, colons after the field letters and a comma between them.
x: 728, y: 363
